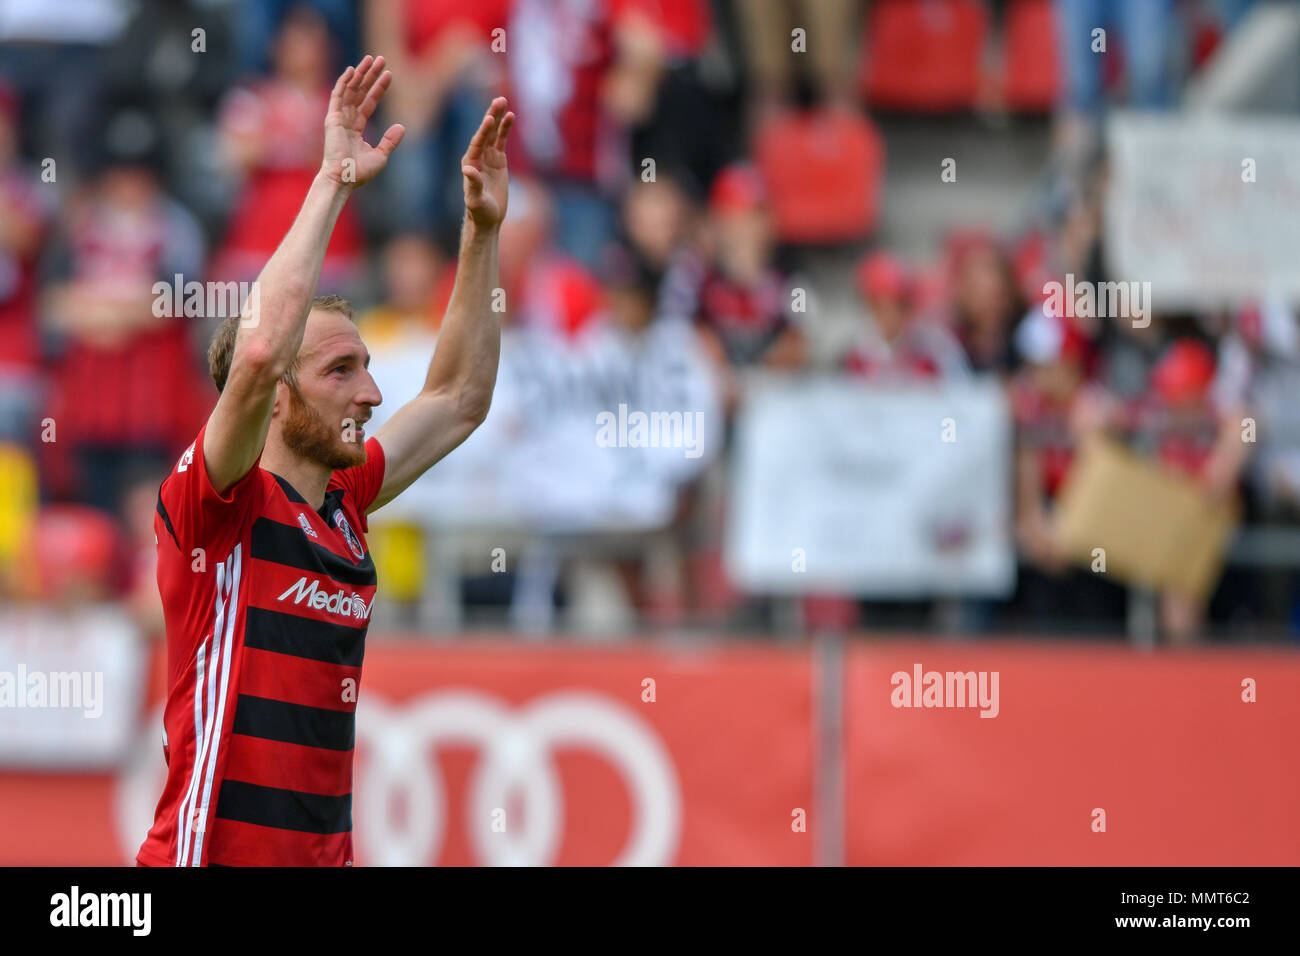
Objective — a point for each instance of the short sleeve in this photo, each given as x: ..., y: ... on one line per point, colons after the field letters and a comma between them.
x: 362, y: 482
x: 191, y: 508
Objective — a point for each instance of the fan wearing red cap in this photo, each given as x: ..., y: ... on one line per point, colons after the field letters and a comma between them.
x: 1177, y: 419
x: 1180, y: 422
x: 744, y: 303
x: 737, y: 189
x: 1194, y: 432
x: 899, y: 345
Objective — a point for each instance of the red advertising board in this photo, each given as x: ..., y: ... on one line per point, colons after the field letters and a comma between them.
x: 1185, y: 771
x: 518, y: 754
x: 509, y: 753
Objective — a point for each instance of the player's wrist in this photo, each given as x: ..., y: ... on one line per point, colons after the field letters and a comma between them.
x: 472, y: 230
x: 333, y: 174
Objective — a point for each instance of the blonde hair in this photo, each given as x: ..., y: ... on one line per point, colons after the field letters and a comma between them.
x: 222, y: 349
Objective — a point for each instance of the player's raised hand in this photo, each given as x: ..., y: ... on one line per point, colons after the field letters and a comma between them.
x: 484, y: 167
x: 348, y: 158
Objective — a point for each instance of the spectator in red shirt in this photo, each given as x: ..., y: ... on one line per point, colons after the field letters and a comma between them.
x: 1192, y: 432
x: 1044, y: 394
x: 582, y: 72
x: 271, y: 137
x: 899, y: 346
x: 1048, y: 395
x: 447, y: 61
x: 1177, y: 419
x: 1179, y: 422
x: 127, y: 393
x: 24, y: 222
x: 895, y: 346
x: 745, y: 303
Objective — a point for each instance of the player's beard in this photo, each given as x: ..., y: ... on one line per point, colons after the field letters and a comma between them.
x: 308, y: 435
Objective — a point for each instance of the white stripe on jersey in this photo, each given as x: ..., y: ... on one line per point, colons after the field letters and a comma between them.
x: 198, y: 736
x: 232, y: 604
x: 201, y: 743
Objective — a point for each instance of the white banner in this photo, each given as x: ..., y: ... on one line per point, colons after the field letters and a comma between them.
x: 71, y: 686
x: 888, y: 493
x: 593, y: 435
x: 1204, y: 208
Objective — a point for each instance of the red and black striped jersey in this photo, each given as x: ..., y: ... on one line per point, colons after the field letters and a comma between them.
x: 267, y: 601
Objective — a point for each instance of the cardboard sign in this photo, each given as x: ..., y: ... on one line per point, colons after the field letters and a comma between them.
x: 1156, y: 526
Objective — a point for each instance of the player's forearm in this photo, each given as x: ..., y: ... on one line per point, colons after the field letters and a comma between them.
x: 464, y: 364
x: 273, y: 329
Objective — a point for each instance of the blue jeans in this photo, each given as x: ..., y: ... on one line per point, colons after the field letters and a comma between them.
x: 1144, y: 27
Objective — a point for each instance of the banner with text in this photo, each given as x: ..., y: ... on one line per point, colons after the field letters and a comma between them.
x: 895, y: 492
x: 593, y: 434
x: 1203, y: 208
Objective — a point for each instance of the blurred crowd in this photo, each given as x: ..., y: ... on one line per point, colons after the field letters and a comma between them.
x: 683, y: 159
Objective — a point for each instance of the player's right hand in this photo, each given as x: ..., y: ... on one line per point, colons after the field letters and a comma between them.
x: 349, y: 160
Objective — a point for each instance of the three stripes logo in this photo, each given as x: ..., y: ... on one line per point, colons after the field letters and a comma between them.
x: 211, y: 680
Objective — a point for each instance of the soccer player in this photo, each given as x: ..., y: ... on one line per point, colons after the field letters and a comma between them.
x: 262, y: 563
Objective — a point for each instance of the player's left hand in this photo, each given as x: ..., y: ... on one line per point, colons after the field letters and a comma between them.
x: 484, y: 167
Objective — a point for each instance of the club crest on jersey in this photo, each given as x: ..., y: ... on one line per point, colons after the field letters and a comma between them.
x: 306, y: 525
x: 354, y: 545
x: 187, y: 459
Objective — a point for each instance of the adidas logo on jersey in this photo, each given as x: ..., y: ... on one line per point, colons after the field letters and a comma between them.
x: 336, y: 603
x: 306, y: 525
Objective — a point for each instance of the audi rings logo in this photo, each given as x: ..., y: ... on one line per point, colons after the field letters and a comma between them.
x: 516, y: 760
x: 516, y: 750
